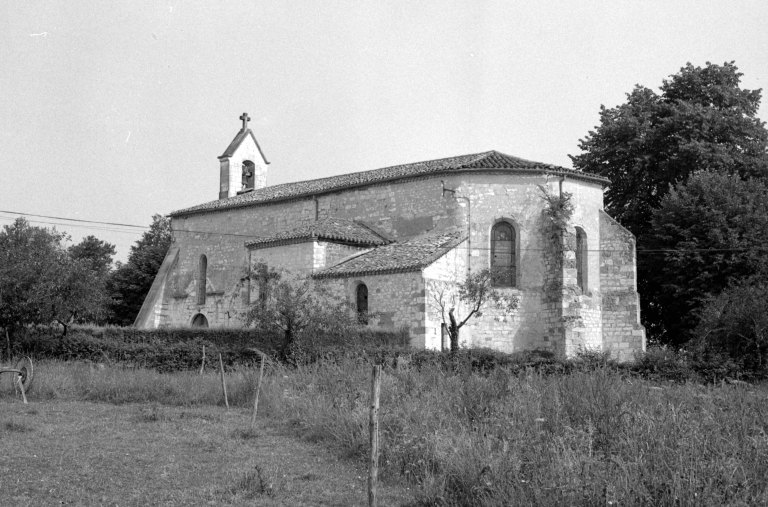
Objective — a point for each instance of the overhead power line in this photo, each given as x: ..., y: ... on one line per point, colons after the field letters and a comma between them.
x: 74, y: 219
x: 639, y: 251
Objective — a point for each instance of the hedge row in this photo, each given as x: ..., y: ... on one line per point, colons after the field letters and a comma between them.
x: 181, y: 349
x: 169, y: 350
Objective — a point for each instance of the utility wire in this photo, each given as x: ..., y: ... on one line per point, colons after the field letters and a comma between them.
x: 74, y: 219
x: 77, y: 226
x: 256, y: 236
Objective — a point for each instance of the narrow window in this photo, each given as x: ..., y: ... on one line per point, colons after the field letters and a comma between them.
x: 202, y: 276
x: 249, y: 169
x: 263, y: 278
x: 362, y: 303
x: 581, y: 259
x: 199, y: 321
x: 503, y: 265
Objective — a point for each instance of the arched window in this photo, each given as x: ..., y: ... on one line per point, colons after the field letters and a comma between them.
x: 199, y: 321
x: 249, y: 169
x: 581, y: 258
x: 202, y: 276
x: 362, y: 303
x: 503, y: 255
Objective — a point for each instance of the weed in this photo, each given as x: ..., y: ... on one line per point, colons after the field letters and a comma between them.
x: 245, y: 434
x: 254, y: 483
x: 15, y: 427
x: 151, y: 414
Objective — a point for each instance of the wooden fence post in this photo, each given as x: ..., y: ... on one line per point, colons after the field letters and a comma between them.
x: 21, y: 386
x: 258, y: 390
x: 223, y: 382
x: 202, y: 363
x: 373, y: 426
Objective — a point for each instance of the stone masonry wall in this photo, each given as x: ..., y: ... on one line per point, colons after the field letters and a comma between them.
x: 297, y: 258
x: 543, y: 316
x: 402, y: 209
x: 405, y: 209
x: 443, y: 276
x: 395, y: 300
x: 623, y: 335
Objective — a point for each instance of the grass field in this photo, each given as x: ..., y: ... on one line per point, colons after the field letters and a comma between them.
x: 453, y: 436
x: 60, y: 451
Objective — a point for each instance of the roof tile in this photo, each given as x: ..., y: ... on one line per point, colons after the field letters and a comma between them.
x: 338, y: 229
x: 410, y: 255
x: 485, y: 160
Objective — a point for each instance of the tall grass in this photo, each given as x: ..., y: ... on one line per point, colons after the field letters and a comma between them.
x: 114, y: 384
x: 495, y: 439
x: 501, y: 439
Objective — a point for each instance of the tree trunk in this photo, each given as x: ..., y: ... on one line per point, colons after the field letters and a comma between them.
x: 453, y: 331
x: 7, y: 344
x: 288, y: 342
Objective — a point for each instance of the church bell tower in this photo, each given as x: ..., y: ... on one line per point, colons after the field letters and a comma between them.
x: 243, y: 165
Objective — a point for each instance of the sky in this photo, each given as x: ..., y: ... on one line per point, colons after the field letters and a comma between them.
x: 116, y: 111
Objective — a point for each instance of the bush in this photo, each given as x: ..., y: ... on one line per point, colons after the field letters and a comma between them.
x: 181, y: 349
x: 735, y: 325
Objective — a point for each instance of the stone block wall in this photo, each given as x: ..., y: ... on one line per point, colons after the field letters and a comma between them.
x: 553, y: 312
x: 395, y: 300
x: 297, y: 258
x: 623, y: 335
x: 329, y: 254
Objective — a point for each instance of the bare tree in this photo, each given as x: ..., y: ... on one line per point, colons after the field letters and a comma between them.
x: 469, y: 298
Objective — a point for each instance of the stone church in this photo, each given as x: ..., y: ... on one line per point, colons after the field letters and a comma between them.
x: 391, y: 241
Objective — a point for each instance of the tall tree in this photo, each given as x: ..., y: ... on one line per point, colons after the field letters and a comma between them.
x: 40, y: 283
x: 707, y: 234
x: 130, y: 282
x: 701, y: 121
x: 30, y: 260
x: 97, y: 253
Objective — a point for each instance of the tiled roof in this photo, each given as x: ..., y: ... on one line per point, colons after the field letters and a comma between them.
x: 239, y: 139
x: 492, y: 160
x: 337, y: 229
x: 411, y: 255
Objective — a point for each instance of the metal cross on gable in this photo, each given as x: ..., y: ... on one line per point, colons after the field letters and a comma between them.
x: 245, y: 119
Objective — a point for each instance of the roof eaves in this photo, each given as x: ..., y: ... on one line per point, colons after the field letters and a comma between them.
x: 363, y: 272
x: 259, y: 244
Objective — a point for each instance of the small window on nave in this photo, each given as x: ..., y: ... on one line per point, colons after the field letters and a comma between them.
x: 361, y: 297
x: 202, y: 277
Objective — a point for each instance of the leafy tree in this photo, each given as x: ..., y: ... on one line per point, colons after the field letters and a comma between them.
x: 130, y: 282
x: 298, y: 308
x: 29, y: 267
x: 81, y: 294
x: 701, y: 121
x: 706, y: 235
x: 41, y: 283
x: 96, y: 252
x: 470, y: 298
